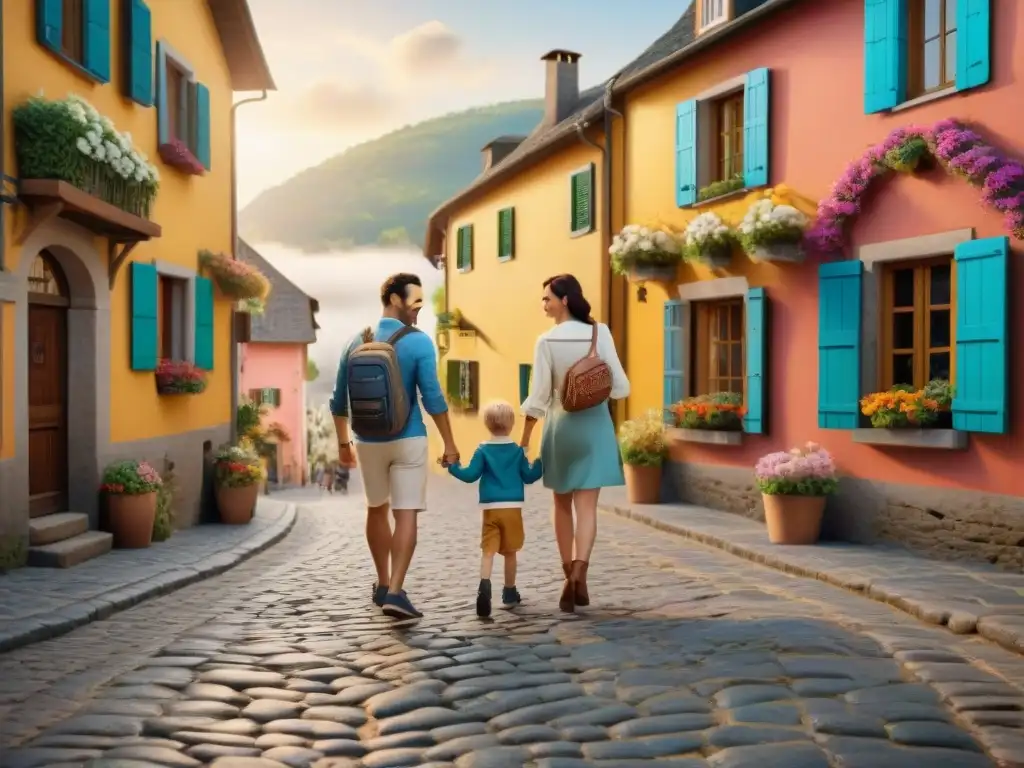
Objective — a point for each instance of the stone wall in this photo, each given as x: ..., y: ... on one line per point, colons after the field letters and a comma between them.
x: 939, y: 522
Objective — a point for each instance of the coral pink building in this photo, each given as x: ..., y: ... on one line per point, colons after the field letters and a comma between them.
x: 273, y: 365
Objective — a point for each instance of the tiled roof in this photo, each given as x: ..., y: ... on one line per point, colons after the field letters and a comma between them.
x: 663, y: 54
x: 247, y: 64
x: 288, y: 316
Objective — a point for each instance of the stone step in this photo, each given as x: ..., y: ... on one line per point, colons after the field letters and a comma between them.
x: 53, y: 528
x: 70, y: 552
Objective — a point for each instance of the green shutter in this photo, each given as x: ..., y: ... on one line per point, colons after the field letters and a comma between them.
x: 139, y: 53
x: 202, y: 124
x: 525, y: 374
x: 506, y: 234
x: 452, y: 379
x: 145, y: 310
x: 204, y: 324
x: 163, y: 115
x: 96, y: 38
x: 582, y: 201
x: 465, y: 246
x: 49, y: 23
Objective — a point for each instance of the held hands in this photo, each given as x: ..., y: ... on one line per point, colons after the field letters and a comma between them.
x: 450, y: 456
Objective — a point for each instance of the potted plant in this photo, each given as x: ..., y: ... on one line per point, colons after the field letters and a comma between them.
x: 239, y: 473
x: 237, y: 279
x: 642, y: 446
x: 709, y: 240
x: 645, y: 253
x: 794, y: 486
x: 720, y: 412
x: 130, y: 488
x: 176, y: 154
x: 771, y: 232
x: 903, y: 407
x: 179, y: 377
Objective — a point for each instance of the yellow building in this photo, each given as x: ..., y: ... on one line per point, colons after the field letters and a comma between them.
x: 104, y: 214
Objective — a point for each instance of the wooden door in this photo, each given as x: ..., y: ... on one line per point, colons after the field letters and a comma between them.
x: 47, y: 408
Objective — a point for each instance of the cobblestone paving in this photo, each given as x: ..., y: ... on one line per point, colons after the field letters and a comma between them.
x: 687, y: 657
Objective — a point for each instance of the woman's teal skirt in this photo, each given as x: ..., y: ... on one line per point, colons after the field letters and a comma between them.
x: 580, y: 450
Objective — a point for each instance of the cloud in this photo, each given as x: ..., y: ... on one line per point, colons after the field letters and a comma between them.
x: 336, y: 106
x: 428, y: 49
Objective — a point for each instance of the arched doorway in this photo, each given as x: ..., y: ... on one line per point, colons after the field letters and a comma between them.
x: 48, y: 302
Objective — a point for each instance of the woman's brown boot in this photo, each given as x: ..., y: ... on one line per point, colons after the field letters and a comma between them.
x: 566, y: 601
x: 578, y: 576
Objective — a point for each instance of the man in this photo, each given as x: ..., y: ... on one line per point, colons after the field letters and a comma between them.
x: 394, y: 469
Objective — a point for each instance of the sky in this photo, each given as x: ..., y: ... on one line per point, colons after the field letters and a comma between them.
x: 351, y: 70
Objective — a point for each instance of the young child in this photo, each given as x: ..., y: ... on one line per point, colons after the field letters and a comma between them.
x: 502, y: 468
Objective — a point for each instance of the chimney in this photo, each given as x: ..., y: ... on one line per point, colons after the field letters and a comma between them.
x: 561, y: 85
x: 497, y: 150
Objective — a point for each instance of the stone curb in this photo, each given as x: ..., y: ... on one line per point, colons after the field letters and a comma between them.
x: 956, y: 620
x: 64, y: 620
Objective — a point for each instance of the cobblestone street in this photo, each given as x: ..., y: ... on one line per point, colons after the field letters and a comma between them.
x: 687, y: 657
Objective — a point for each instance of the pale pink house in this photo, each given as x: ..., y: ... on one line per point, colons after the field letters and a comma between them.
x: 273, y: 365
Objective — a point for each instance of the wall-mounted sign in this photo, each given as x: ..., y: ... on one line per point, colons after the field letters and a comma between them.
x: 467, y: 334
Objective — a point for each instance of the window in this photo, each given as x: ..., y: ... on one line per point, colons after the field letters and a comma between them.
x: 72, y: 30
x: 728, y: 118
x: 463, y: 385
x: 711, y: 13
x: 266, y: 396
x: 173, y: 327
x: 917, y: 334
x: 718, y: 347
x: 464, y: 248
x: 581, y: 201
x: 183, y: 107
x: 932, y: 46
x: 178, y: 103
x: 506, y: 234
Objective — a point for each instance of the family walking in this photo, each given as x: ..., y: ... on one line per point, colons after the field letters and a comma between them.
x: 576, y: 370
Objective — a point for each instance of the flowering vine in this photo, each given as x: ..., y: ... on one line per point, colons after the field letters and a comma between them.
x: 960, y: 150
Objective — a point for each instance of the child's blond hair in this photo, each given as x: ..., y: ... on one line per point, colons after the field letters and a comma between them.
x: 499, y: 417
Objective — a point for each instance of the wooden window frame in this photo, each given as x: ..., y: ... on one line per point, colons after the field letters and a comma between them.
x: 922, y: 348
x: 724, y: 134
x: 703, y: 344
x: 915, y: 49
x: 725, y: 18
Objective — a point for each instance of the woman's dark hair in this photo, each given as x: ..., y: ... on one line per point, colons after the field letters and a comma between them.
x: 568, y: 287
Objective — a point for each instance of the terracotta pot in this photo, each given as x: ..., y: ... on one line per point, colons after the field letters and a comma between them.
x: 237, y: 505
x: 643, y: 484
x: 793, y: 519
x: 130, y: 518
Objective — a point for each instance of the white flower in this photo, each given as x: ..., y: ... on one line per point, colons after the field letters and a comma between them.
x: 129, y: 166
x: 99, y: 153
x: 84, y: 146
x: 113, y: 151
x: 108, y: 124
x: 94, y: 138
x: 78, y: 114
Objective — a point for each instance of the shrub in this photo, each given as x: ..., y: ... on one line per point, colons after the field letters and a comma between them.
x: 642, y: 440
x: 130, y: 478
x: 722, y: 411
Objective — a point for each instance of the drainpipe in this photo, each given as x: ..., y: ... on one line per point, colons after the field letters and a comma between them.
x: 609, y: 111
x: 3, y: 150
x: 236, y: 373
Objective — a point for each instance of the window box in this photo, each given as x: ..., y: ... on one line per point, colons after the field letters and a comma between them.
x: 716, y: 257
x: 706, y: 436
x: 177, y: 155
x: 179, y: 377
x: 941, y: 439
x: 658, y: 272
x: 779, y: 253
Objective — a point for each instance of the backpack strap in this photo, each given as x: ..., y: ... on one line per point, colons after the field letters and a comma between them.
x: 593, y: 342
x: 402, y: 333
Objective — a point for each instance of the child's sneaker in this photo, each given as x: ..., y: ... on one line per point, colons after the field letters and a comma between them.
x: 483, y: 599
x: 510, y: 597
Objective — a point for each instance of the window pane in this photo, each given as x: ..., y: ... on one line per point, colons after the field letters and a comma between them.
x: 939, y: 328
x: 902, y: 369
x: 737, y: 322
x: 903, y: 330
x: 939, y: 288
x: 932, y: 18
x: 903, y: 288
x: 932, y: 64
x: 722, y: 360
x: 736, y: 366
x: 723, y: 323
x: 938, y: 365
x: 951, y: 57
x: 950, y: 15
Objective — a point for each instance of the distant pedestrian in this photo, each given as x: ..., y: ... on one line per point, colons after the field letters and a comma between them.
x: 319, y: 476
x: 503, y: 470
x: 341, y: 477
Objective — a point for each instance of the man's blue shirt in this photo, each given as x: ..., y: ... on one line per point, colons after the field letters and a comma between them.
x: 418, y: 363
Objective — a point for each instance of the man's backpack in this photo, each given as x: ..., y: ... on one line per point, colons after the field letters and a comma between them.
x: 378, y: 404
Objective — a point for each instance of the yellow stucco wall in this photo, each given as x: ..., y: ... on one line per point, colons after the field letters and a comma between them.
x: 194, y: 211
x: 6, y: 380
x: 503, y: 299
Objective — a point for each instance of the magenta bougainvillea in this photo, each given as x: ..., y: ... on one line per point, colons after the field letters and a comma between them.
x: 960, y: 150
x: 177, y: 154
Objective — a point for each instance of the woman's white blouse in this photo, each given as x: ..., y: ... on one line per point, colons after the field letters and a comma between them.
x: 557, y: 351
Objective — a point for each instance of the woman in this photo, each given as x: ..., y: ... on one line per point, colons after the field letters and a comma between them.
x: 579, y: 450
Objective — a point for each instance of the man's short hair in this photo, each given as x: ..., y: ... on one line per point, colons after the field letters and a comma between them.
x: 396, y: 285
x: 499, y: 416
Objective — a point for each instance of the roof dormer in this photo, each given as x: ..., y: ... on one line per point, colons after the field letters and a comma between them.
x: 713, y: 13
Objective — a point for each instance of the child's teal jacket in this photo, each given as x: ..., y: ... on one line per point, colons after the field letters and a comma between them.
x: 503, y: 470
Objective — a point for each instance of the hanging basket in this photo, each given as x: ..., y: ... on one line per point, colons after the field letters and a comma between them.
x: 716, y: 256
x: 663, y: 273
x: 781, y: 252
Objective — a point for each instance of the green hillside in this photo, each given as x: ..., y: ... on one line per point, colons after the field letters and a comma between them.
x: 381, y: 192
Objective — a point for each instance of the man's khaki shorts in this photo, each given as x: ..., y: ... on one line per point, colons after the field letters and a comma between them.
x: 502, y: 531
x: 394, y: 472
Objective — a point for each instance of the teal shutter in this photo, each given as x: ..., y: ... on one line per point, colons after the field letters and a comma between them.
x: 581, y: 193
x: 973, y: 43
x: 96, y: 41
x: 885, y: 54
x: 525, y: 373
x: 686, y: 153
x: 672, y: 390
x: 506, y: 234
x: 756, y: 109
x: 163, y: 115
x: 139, y: 53
x: 145, y: 306
x: 49, y: 23
x: 982, y: 382
x: 202, y: 104
x: 839, y: 344
x: 757, y: 370
x: 204, y: 324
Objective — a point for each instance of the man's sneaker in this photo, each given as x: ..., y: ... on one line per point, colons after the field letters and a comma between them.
x: 398, y: 606
x: 379, y: 593
x: 510, y: 597
x: 483, y: 599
